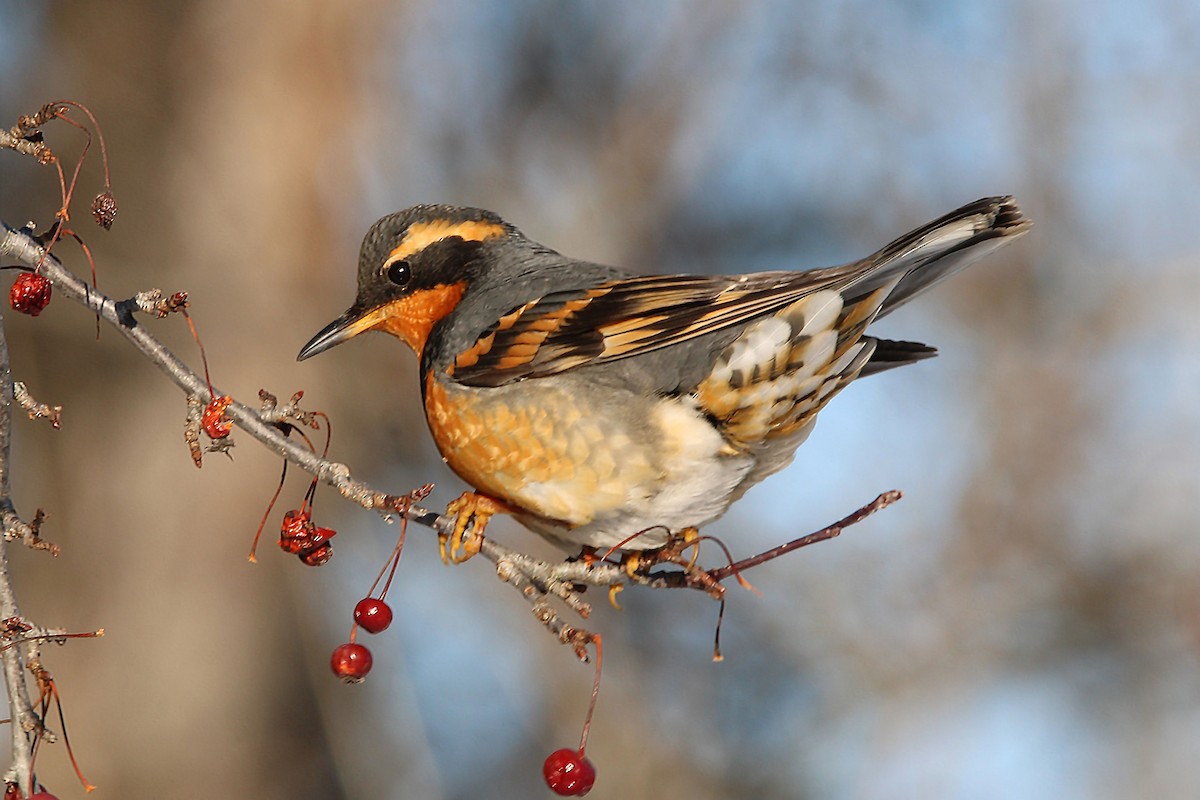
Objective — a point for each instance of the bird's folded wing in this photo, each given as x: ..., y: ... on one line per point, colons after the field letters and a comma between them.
x: 624, y: 318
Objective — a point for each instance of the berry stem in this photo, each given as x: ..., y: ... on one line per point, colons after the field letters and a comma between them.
x: 717, y: 656
x: 203, y: 356
x: 587, y: 722
x: 328, y: 432
x: 258, y: 533
x: 99, y: 134
x: 621, y: 544
x: 394, y: 560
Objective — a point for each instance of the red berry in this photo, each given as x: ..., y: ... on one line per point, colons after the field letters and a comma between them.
x: 569, y: 773
x: 373, y: 615
x: 42, y: 795
x: 30, y: 293
x: 213, y: 419
x: 351, y: 662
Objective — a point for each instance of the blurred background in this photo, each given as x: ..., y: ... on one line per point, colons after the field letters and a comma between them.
x: 1025, y: 623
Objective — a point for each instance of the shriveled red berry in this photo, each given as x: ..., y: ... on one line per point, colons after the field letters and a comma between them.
x: 296, y: 521
x: 321, y: 535
x: 213, y: 419
x: 317, y: 556
x: 313, y: 546
x: 373, y: 615
x: 351, y: 662
x: 30, y: 293
x: 295, y: 533
x: 569, y: 773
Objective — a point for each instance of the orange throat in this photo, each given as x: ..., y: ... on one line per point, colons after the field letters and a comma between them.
x: 411, y: 318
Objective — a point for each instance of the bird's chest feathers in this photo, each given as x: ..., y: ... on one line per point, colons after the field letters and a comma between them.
x: 583, y: 453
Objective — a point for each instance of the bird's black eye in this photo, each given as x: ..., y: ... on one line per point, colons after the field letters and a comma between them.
x: 399, y: 273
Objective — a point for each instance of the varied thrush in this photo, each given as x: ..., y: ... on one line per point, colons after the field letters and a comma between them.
x: 607, y: 409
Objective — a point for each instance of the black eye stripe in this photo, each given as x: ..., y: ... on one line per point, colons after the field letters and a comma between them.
x: 398, y: 272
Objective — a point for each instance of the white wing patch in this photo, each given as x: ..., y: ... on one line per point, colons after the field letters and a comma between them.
x: 780, y: 372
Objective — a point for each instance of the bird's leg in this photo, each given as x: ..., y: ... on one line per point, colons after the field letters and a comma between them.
x: 639, y: 562
x: 471, y: 513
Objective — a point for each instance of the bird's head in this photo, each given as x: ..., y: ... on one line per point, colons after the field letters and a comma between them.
x: 413, y: 269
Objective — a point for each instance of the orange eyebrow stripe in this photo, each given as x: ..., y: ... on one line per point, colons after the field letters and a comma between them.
x: 422, y: 234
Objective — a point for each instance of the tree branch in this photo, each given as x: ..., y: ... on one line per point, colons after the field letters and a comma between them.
x: 535, y: 579
x: 23, y: 717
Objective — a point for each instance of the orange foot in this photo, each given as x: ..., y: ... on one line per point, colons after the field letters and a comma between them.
x: 471, y: 511
x: 672, y: 552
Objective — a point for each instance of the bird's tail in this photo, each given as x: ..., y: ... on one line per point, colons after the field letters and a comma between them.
x: 939, y: 249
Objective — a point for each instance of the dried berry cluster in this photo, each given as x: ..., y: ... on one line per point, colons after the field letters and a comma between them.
x: 299, y: 536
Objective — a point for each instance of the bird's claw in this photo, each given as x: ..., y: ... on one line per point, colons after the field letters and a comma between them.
x: 471, y: 513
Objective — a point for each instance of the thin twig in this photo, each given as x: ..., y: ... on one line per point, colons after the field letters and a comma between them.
x: 28, y: 147
x: 882, y: 501
x: 35, y: 408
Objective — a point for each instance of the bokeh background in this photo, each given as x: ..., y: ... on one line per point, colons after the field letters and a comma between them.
x: 1026, y: 623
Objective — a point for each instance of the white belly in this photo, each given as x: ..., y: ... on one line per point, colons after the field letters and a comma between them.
x: 700, y: 475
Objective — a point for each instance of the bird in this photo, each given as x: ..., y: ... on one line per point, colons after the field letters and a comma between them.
x: 608, y: 410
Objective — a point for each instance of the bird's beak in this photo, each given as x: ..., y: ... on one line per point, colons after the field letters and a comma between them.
x: 342, y: 329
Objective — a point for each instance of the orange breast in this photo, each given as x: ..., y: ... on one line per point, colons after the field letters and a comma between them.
x: 535, y: 445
